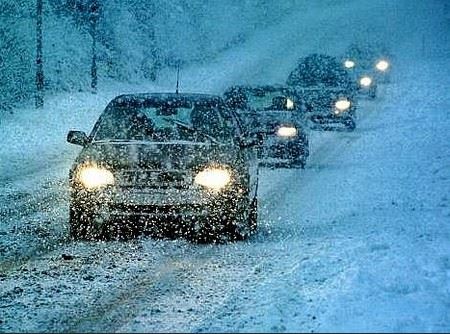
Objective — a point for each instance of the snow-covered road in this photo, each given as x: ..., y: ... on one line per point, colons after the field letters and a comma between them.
x: 358, y: 241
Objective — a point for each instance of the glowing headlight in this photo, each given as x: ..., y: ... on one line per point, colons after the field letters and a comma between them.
x: 286, y: 131
x: 342, y: 104
x: 213, y: 178
x: 349, y: 63
x: 289, y: 104
x: 365, y: 81
x: 95, y: 177
x: 382, y: 65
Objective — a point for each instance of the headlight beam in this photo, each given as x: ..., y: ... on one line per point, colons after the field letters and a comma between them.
x: 213, y: 178
x: 95, y: 177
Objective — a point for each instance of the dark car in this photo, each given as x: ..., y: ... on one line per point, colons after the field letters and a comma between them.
x: 164, y: 162
x: 365, y: 80
x: 327, y: 91
x: 273, y: 112
x: 368, y: 60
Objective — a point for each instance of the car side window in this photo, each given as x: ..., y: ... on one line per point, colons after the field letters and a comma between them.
x: 209, y: 120
x: 232, y: 122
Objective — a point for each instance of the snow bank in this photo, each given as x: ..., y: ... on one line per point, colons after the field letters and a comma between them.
x: 359, y: 241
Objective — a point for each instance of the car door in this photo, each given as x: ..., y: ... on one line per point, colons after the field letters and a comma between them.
x: 247, y: 153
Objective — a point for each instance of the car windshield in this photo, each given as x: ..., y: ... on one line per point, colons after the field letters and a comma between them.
x: 162, y: 121
x: 261, y: 100
x: 319, y: 70
x: 330, y: 77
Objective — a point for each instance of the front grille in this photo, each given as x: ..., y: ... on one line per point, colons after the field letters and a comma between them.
x: 158, y: 211
x: 280, y: 152
x: 155, y: 209
x: 154, y: 179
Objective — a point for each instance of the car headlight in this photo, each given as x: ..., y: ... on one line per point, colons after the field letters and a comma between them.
x: 349, y: 63
x: 365, y: 81
x: 213, y: 178
x: 287, y: 131
x: 95, y: 177
x: 342, y: 104
x: 382, y: 65
x: 289, y: 104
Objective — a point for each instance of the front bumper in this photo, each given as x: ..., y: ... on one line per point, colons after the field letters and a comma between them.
x: 367, y: 91
x: 155, y: 204
x: 332, y: 122
x: 285, y: 151
x: 158, y: 204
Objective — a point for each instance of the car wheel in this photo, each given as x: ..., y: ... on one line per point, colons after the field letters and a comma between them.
x: 236, y: 224
x: 298, y: 163
x: 207, y: 230
x: 244, y: 222
x: 253, y: 216
x: 350, y: 124
x: 117, y: 230
x: 82, y: 224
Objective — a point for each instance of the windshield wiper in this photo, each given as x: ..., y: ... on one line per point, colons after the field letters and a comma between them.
x: 112, y: 140
x: 192, y: 129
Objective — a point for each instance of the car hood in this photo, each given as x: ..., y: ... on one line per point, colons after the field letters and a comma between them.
x: 271, y: 120
x: 324, y: 97
x: 155, y: 155
x: 361, y: 71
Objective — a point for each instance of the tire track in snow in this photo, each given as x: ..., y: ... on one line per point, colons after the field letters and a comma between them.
x: 156, y: 282
x: 324, y: 147
x: 145, y: 284
x: 286, y: 268
x: 253, y: 274
x: 36, y: 224
x: 88, y: 266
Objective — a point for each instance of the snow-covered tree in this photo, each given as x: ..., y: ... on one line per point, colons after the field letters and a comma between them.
x: 16, y: 60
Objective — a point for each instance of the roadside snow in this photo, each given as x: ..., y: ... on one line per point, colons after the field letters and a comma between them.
x: 358, y: 241
x: 35, y: 157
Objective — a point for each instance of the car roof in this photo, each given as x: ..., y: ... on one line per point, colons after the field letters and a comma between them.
x: 267, y: 88
x: 157, y: 97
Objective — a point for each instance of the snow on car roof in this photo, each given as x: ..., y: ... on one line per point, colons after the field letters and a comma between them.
x: 141, y: 97
x: 266, y: 88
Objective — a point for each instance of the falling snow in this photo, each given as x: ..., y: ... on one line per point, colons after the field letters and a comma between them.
x: 356, y: 241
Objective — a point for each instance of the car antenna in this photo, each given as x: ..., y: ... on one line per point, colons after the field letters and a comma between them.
x: 178, y: 78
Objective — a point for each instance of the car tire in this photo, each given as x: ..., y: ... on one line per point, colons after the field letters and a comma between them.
x: 299, y: 162
x: 350, y: 124
x: 82, y: 225
x: 235, y: 225
x: 244, y: 223
x: 253, y: 215
x: 117, y: 230
x: 208, y: 230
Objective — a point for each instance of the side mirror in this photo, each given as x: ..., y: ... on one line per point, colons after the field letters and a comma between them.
x: 253, y: 138
x: 248, y: 142
x: 77, y: 138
